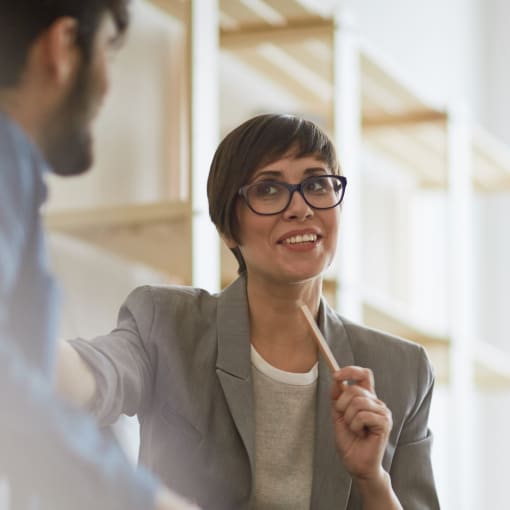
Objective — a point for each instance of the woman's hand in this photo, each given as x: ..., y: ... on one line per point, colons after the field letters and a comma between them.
x: 362, y: 427
x: 362, y: 422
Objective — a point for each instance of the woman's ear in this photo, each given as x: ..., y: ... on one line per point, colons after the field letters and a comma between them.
x: 229, y: 242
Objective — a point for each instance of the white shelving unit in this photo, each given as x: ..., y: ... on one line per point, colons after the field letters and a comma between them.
x: 372, y: 110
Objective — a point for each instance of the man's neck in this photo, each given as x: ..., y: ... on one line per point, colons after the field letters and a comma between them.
x: 17, y: 108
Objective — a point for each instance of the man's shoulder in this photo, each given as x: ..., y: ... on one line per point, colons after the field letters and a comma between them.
x: 22, y: 167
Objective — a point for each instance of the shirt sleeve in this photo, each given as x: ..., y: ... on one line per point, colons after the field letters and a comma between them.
x: 28, y: 293
x: 123, y: 361
x: 57, y: 453
x: 13, y: 215
x: 411, y: 470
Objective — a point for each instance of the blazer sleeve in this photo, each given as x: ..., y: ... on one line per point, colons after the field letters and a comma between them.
x: 57, y: 453
x: 123, y: 361
x: 411, y: 469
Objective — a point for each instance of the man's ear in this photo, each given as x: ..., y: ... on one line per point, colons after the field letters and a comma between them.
x: 61, y: 51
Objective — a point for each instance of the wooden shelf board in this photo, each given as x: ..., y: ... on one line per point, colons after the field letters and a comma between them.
x: 409, y: 152
x: 378, y: 74
x: 491, y: 162
x: 408, y: 118
x: 251, y: 35
x: 492, y: 367
x: 310, y: 97
x: 177, y: 9
x: 393, y: 316
x: 165, y: 248
x: 291, y: 9
x: 116, y: 216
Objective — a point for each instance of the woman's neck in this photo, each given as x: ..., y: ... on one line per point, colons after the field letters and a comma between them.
x: 278, y: 329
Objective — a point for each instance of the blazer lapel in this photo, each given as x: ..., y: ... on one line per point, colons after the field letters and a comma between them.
x: 331, y: 482
x: 233, y: 365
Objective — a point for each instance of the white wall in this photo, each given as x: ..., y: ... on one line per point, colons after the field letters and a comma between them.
x: 493, y: 259
x: 495, y: 68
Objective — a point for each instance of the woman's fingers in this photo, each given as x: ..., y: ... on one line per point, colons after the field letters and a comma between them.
x: 347, y: 394
x: 367, y: 415
x: 366, y: 422
x: 356, y: 403
x: 354, y: 375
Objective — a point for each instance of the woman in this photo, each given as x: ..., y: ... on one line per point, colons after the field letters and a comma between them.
x: 237, y: 410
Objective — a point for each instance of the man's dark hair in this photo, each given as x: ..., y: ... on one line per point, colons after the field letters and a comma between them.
x: 23, y: 21
x: 252, y: 145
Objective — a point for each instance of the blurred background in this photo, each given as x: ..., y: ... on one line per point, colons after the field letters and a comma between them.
x: 414, y: 95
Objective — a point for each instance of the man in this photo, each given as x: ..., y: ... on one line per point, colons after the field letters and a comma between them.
x: 53, y: 78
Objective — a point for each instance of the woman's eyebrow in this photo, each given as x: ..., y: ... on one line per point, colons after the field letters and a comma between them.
x: 268, y: 174
x: 315, y: 169
x: 278, y: 173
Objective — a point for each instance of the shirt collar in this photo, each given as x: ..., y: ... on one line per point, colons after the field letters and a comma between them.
x: 21, y: 137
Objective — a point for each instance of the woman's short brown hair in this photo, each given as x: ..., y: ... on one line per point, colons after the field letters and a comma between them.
x: 254, y: 144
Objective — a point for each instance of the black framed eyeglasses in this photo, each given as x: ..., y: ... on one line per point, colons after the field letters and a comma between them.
x: 273, y: 197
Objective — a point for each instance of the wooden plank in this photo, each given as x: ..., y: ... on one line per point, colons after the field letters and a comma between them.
x: 403, y: 119
x: 250, y: 36
x: 128, y: 215
x: 419, y: 146
x: 308, y: 58
x: 428, y: 166
x: 492, y: 367
x: 153, y: 245
x: 174, y: 8
x: 381, y: 79
x: 291, y: 9
x: 310, y: 98
x: 240, y: 12
x: 492, y: 162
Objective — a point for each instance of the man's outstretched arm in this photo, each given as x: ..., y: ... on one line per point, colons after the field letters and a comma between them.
x: 59, y: 454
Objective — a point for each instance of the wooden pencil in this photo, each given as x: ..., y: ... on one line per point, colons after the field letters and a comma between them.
x: 321, y: 341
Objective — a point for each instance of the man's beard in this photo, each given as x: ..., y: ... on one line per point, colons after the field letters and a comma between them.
x: 68, y: 147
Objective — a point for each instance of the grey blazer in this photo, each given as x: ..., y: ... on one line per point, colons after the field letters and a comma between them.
x: 180, y: 359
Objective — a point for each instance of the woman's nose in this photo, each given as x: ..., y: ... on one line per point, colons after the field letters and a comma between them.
x: 298, y: 208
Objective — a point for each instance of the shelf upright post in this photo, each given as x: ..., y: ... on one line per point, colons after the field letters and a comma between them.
x: 347, y: 138
x: 460, y: 311
x: 204, y: 115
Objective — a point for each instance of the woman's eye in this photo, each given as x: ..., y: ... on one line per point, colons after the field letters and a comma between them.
x: 316, y: 185
x: 266, y: 189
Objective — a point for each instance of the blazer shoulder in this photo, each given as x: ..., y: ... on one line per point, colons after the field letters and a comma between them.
x: 385, y: 351
x: 403, y: 374
x: 170, y: 295
x: 365, y: 334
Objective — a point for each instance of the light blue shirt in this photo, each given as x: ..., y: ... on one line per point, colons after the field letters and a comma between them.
x: 53, y: 456
x: 28, y: 295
